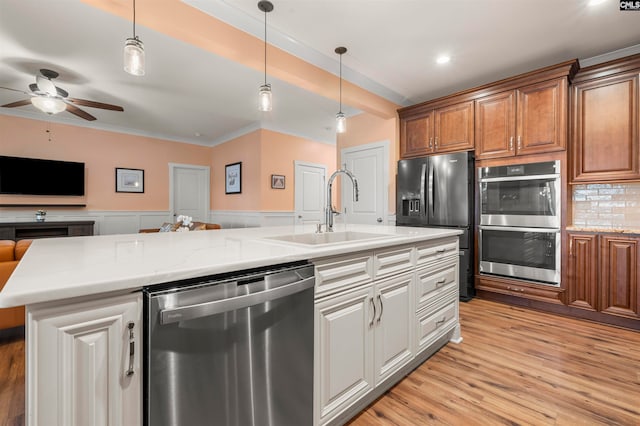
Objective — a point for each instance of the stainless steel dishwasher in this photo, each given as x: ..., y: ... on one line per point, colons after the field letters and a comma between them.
x: 231, y: 350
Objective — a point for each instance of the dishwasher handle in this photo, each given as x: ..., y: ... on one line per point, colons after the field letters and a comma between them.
x: 184, y: 313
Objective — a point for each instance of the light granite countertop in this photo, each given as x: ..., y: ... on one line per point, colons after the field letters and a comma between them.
x: 607, y: 230
x: 63, y: 268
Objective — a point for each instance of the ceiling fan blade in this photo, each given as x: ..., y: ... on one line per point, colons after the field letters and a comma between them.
x: 46, y: 85
x: 80, y: 113
x: 15, y: 90
x: 17, y: 104
x: 94, y: 104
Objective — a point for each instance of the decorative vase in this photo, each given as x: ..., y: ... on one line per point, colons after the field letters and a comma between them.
x: 40, y: 217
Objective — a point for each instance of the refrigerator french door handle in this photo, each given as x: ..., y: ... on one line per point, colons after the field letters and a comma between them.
x: 423, y: 176
x: 432, y: 190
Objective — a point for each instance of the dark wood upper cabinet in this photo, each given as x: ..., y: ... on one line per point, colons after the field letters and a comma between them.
x: 416, y: 136
x: 582, y: 286
x: 605, y: 142
x: 620, y: 263
x: 454, y: 128
x: 528, y: 120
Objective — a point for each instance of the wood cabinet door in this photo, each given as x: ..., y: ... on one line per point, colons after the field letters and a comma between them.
x: 620, y: 276
x: 416, y: 137
x: 542, y: 117
x: 582, y: 288
x: 81, y: 356
x: 454, y: 128
x: 393, y: 328
x: 605, y: 141
x: 344, y: 351
x: 495, y: 128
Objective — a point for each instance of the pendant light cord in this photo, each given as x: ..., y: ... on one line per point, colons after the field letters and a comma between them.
x: 134, y: 18
x: 340, y: 82
x: 265, y: 47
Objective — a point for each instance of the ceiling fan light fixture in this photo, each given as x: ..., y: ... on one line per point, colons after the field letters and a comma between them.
x: 48, y: 104
x: 134, y: 56
x: 134, y: 51
x: 264, y: 93
x: 341, y: 120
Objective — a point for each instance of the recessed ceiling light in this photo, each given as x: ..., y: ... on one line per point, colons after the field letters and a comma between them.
x: 443, y: 59
x: 595, y: 2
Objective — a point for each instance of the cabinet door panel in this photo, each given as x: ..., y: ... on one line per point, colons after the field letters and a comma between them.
x: 621, y: 276
x: 417, y: 136
x: 393, y: 325
x: 495, y: 126
x: 454, y: 128
x: 344, y: 364
x: 605, y: 133
x: 85, y: 349
x: 542, y: 117
x: 583, y: 271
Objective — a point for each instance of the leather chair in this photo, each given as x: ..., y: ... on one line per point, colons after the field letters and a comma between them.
x: 10, y: 254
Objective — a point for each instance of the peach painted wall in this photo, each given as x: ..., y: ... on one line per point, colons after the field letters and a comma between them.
x: 279, y: 151
x: 101, y: 151
x: 263, y: 153
x: 245, y: 149
x: 367, y: 128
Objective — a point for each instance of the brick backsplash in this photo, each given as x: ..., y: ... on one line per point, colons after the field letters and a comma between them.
x: 607, y: 205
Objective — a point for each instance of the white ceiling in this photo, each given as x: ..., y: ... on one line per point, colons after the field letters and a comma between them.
x: 392, y: 47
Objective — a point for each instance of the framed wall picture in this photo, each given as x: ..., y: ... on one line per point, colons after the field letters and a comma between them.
x: 233, y: 178
x: 277, y: 181
x: 129, y: 180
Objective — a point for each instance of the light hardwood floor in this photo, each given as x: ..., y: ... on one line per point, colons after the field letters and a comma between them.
x: 514, y: 367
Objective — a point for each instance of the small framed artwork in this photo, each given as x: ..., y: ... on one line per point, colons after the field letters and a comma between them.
x: 277, y: 181
x: 129, y: 180
x: 233, y: 178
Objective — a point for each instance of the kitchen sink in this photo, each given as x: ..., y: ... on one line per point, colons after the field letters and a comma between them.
x: 328, y: 237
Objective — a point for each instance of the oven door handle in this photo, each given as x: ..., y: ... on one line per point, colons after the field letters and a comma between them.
x: 519, y: 229
x: 514, y: 178
x: 199, y: 310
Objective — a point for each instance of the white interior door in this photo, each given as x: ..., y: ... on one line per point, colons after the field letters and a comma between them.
x: 309, y: 192
x: 189, y: 191
x: 370, y: 165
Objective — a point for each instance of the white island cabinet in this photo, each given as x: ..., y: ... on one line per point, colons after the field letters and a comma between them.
x: 379, y: 314
x: 84, y: 363
x: 383, y: 305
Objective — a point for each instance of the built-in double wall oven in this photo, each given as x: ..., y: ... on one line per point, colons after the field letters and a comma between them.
x: 519, y: 235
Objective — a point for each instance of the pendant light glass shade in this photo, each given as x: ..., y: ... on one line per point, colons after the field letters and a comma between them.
x: 48, y: 104
x: 341, y: 123
x: 134, y: 56
x: 264, y: 93
x: 134, y: 51
x: 264, y: 98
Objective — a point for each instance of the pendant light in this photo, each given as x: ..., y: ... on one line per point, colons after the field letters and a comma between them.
x: 341, y: 120
x: 134, y: 51
x: 264, y: 94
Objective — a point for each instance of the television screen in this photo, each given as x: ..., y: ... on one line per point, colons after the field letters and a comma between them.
x: 30, y: 176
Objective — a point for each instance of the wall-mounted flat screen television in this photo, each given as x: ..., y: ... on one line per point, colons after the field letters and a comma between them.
x: 31, y: 176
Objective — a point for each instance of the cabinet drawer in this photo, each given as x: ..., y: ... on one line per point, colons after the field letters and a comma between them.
x: 334, y: 275
x: 430, y: 252
x: 393, y: 261
x: 431, y: 325
x: 433, y: 282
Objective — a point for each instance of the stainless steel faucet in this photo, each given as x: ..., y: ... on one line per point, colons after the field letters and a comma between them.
x: 329, y: 211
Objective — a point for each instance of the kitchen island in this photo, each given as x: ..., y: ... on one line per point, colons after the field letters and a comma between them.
x: 84, y: 310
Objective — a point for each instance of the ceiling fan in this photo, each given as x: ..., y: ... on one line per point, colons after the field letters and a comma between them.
x: 49, y: 98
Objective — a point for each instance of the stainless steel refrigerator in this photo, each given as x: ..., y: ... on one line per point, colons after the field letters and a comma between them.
x: 438, y: 191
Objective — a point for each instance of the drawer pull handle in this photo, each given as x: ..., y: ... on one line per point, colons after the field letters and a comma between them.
x: 373, y: 318
x: 381, y: 307
x: 132, y: 349
x: 441, y: 250
x: 441, y: 321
